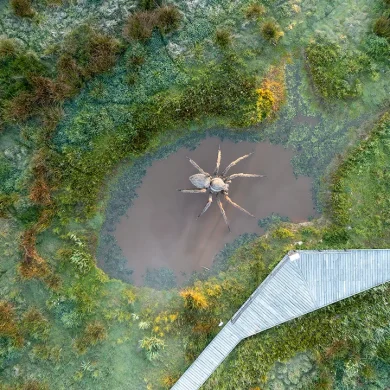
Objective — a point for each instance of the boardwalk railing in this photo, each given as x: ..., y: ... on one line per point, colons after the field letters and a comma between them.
x: 302, y: 282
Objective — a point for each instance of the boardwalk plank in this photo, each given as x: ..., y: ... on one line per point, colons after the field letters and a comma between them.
x: 294, y: 288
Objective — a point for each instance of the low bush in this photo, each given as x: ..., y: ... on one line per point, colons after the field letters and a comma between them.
x: 152, y: 347
x: 168, y: 18
x: 382, y: 26
x: 8, y: 323
x: 34, y: 324
x: 140, y: 25
x: 377, y: 48
x: 94, y: 333
x: 271, y: 32
x: 223, y: 38
x: 22, y: 8
x: 254, y: 11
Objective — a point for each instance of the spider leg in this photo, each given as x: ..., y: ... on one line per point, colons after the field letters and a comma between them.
x: 232, y: 164
x: 231, y: 177
x: 216, y: 170
x: 201, y: 191
x: 223, y: 212
x: 207, y: 205
x: 237, y: 206
x: 198, y: 167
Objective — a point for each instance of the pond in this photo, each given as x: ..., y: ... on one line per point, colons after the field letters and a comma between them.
x: 161, y: 228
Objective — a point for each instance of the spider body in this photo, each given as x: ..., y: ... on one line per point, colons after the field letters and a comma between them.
x: 217, y: 184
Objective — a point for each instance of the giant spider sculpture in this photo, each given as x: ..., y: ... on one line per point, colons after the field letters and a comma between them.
x: 217, y: 184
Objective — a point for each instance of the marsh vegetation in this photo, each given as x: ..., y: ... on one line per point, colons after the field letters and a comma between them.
x: 93, y: 93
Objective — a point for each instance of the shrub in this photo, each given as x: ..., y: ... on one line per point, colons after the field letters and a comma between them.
x: 377, y: 47
x: 17, y: 71
x: 168, y: 18
x: 223, y: 38
x: 254, y: 11
x: 94, y: 333
x: 22, y: 8
x: 88, y: 52
x: 194, y: 299
x: 271, y: 32
x: 35, y: 324
x: 152, y: 347
x: 8, y: 323
x: 139, y: 26
x: 7, y: 204
x: 382, y: 27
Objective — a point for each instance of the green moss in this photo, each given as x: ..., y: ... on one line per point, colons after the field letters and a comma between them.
x: 335, y: 71
x: 359, y: 203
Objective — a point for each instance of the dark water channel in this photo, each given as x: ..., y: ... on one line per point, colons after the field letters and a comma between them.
x: 161, y: 228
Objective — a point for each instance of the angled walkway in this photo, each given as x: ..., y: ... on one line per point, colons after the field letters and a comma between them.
x: 302, y: 282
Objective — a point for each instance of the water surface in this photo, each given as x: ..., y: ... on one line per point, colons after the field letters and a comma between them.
x: 161, y: 228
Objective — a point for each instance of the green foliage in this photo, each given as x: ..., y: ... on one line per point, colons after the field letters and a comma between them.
x: 80, y: 256
x: 377, y: 47
x: 7, y: 204
x: 152, y: 346
x: 18, y: 67
x: 335, y: 71
x: 359, y: 203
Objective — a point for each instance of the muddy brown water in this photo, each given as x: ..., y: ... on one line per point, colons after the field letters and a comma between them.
x: 161, y: 228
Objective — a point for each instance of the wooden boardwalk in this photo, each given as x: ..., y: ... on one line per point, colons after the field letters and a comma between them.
x: 302, y: 282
